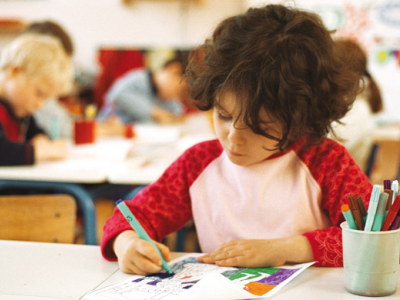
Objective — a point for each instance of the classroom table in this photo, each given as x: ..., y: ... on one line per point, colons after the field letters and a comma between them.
x: 113, y: 161
x: 46, y: 271
x: 86, y: 164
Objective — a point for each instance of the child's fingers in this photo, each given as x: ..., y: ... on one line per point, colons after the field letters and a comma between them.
x: 227, y: 254
x: 164, y: 251
x: 147, y: 267
x: 147, y: 250
x: 208, y: 258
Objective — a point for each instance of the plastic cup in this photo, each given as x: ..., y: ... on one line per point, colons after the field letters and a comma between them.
x: 371, y: 261
x: 84, y: 132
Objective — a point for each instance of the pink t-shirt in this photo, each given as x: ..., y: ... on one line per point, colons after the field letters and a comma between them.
x: 299, y: 192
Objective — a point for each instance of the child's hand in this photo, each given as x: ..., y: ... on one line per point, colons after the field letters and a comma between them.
x: 46, y: 149
x: 163, y: 116
x: 260, y: 253
x: 138, y: 256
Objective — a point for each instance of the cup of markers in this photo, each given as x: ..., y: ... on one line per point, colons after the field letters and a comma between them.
x: 85, y: 129
x: 371, y: 242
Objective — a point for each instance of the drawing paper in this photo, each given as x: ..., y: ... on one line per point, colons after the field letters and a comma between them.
x: 194, y: 280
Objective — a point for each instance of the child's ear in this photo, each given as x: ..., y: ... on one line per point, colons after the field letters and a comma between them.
x: 14, y: 71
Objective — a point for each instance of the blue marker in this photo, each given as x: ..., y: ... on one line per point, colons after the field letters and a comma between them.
x: 140, y: 231
x: 373, y: 205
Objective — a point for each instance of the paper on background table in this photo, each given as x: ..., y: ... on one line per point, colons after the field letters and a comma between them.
x: 197, y: 281
x: 19, y: 297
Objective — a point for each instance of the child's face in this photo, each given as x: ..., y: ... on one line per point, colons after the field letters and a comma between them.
x: 172, y: 84
x: 241, y: 144
x: 26, y: 94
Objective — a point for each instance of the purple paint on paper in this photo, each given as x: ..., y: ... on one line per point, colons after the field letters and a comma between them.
x: 153, y: 282
x: 138, y: 280
x: 190, y: 282
x: 278, y: 277
x: 161, y: 275
x: 187, y: 287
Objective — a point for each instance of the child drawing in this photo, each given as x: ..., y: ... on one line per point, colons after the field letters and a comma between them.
x: 269, y: 190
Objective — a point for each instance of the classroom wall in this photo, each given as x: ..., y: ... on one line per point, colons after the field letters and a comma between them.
x: 186, y: 23
x: 141, y: 23
x: 376, y: 25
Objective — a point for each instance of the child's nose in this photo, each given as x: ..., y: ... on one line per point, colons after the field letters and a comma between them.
x: 237, y: 135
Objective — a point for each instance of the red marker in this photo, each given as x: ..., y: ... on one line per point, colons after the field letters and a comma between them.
x: 391, y: 214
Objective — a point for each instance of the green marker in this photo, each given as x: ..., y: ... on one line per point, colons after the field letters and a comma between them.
x: 380, y: 212
x: 140, y: 231
x: 349, y: 217
x: 373, y: 205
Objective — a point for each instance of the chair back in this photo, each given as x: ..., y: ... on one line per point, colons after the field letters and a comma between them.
x: 39, y: 218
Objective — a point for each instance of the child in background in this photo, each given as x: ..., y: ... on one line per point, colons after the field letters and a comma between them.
x: 356, y: 127
x: 270, y: 189
x: 142, y: 96
x: 33, y: 68
x: 53, y: 110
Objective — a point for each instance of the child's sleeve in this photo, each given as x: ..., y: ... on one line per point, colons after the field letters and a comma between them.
x: 342, y: 177
x: 14, y: 154
x: 33, y: 129
x: 164, y: 206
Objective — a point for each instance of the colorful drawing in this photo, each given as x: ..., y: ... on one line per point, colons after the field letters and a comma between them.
x: 259, y: 281
x: 187, y: 273
x: 383, y: 56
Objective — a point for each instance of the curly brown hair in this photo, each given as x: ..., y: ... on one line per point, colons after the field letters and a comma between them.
x: 357, y: 57
x: 281, y: 59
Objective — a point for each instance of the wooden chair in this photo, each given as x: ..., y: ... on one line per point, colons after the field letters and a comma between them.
x: 39, y: 218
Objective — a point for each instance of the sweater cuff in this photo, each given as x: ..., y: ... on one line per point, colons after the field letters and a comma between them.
x: 314, y: 247
x: 108, y: 238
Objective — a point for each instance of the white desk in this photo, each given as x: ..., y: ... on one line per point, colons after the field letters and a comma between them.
x: 56, y: 271
x: 118, y: 160
x: 157, y: 147
x: 61, y: 271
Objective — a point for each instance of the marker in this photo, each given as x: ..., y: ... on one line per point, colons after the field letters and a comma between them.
x: 380, y: 212
x: 396, y: 223
x: 392, y: 214
x: 140, y: 231
x: 362, y: 208
x: 55, y: 128
x: 373, y: 205
x: 355, y: 210
x: 395, y: 189
x: 389, y: 202
x: 349, y: 217
x: 386, y: 184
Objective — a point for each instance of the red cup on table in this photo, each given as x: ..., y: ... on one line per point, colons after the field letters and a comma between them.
x: 84, y: 131
x: 129, y: 131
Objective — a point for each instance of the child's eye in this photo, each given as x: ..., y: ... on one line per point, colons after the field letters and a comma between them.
x: 223, y: 117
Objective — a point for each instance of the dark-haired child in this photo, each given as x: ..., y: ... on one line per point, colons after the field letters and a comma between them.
x: 356, y: 127
x: 270, y: 189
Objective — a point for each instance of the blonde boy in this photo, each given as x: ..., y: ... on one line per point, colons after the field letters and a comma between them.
x: 33, y: 68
